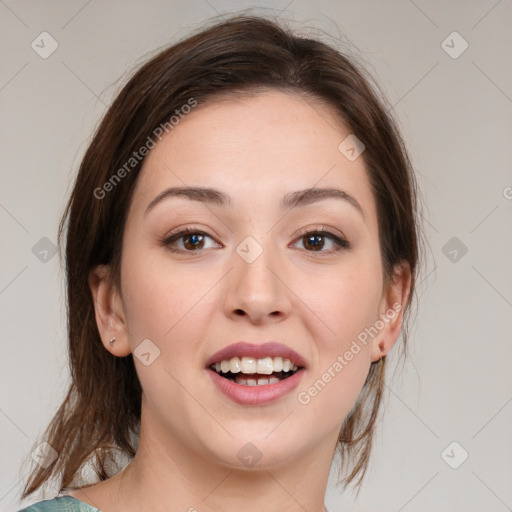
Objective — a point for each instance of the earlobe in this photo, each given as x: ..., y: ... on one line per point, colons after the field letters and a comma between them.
x: 392, y: 308
x: 108, y: 311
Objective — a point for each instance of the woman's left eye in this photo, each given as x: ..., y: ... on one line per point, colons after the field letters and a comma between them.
x: 315, y: 241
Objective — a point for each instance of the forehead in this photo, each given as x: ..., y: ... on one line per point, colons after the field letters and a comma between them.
x: 255, y: 148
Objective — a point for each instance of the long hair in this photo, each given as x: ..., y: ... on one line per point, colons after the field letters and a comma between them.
x: 100, y: 415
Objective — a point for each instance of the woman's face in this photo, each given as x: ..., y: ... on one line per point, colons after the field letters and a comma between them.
x: 248, y: 271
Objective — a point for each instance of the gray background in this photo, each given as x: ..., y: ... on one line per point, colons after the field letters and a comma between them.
x: 455, y: 114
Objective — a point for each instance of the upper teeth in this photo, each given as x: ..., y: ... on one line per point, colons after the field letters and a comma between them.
x: 266, y: 366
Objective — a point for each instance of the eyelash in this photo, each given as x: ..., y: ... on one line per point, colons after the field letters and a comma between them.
x: 322, y: 231
x: 341, y: 243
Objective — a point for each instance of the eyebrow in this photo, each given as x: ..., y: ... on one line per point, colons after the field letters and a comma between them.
x: 291, y: 200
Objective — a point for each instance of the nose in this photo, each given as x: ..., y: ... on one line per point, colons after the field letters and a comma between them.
x: 257, y: 290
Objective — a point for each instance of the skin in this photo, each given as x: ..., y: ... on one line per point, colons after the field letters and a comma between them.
x: 191, y: 304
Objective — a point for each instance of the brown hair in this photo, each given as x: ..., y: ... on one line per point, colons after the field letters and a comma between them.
x: 100, y: 414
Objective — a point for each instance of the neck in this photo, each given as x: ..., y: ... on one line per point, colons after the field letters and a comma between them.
x: 167, y: 474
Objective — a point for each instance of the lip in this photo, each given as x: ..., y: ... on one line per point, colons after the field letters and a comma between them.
x: 256, y: 395
x: 268, y: 349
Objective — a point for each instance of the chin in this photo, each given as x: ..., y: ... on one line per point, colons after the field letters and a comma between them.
x: 257, y: 452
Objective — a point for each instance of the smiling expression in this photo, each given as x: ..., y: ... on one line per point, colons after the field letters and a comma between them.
x: 248, y: 224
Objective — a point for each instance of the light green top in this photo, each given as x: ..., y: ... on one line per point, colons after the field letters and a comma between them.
x: 64, y: 504
x: 60, y: 504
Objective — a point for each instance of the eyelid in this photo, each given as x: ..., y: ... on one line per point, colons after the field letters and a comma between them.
x: 186, y: 230
x: 320, y: 228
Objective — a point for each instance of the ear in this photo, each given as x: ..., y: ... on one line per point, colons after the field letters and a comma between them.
x: 109, y: 313
x: 391, y: 311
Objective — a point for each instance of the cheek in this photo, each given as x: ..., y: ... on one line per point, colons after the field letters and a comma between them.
x: 158, y: 295
x: 173, y: 307
x: 345, y: 305
x: 343, y: 300
x: 169, y: 307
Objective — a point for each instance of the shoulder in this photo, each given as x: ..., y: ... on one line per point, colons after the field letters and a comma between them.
x: 60, y: 504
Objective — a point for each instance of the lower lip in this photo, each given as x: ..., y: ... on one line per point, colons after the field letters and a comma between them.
x: 256, y: 395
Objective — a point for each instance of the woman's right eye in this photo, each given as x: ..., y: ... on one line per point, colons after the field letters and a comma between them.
x: 191, y: 241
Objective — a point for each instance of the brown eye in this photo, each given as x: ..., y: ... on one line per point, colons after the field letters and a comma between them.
x: 315, y: 241
x: 191, y: 241
x: 194, y: 241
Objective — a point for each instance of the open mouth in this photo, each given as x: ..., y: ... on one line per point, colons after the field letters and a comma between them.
x: 248, y: 371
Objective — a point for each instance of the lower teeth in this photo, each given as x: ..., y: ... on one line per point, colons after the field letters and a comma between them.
x: 261, y: 381
x: 256, y: 379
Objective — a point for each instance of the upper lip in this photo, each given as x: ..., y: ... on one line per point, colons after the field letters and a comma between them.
x: 258, y: 351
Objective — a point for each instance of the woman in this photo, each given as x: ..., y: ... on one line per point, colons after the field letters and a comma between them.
x: 241, y: 251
